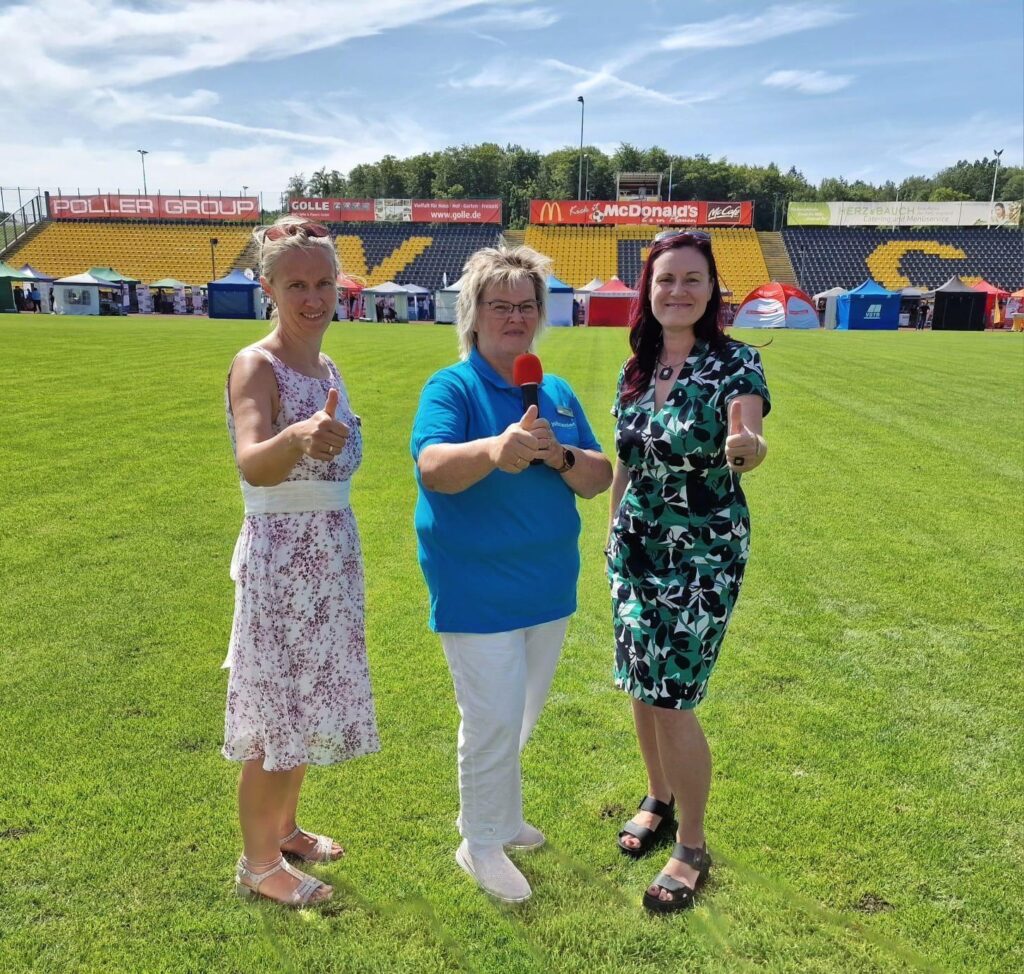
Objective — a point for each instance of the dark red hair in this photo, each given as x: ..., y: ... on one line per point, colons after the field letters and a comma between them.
x: 645, y: 335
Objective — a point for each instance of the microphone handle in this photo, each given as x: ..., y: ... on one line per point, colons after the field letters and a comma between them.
x: 530, y: 398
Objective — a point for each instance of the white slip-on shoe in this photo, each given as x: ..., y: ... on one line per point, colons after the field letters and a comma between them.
x: 526, y: 839
x: 494, y: 873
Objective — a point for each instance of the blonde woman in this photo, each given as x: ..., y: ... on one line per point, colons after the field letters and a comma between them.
x: 498, y: 544
x: 299, y: 688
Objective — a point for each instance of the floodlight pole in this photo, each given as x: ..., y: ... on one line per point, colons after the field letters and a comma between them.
x: 213, y: 257
x: 586, y: 176
x: 671, y: 162
x: 579, y: 186
x: 142, y: 155
x: 995, y: 176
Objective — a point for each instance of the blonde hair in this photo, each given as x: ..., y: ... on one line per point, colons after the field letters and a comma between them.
x: 271, y: 250
x: 505, y: 267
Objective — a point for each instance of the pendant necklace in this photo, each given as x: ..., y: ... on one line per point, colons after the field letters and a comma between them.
x: 667, y: 371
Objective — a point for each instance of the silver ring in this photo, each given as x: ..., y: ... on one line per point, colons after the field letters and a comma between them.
x: 737, y: 462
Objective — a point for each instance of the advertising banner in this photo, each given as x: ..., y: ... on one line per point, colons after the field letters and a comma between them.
x: 456, y: 211
x: 1002, y: 213
x: 340, y: 211
x: 684, y: 213
x: 399, y: 210
x: 244, y: 209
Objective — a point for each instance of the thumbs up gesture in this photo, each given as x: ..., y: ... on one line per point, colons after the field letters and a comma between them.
x: 513, y: 450
x: 743, y: 447
x: 323, y: 437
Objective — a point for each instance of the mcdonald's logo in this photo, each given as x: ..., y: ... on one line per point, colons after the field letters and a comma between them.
x: 550, y: 212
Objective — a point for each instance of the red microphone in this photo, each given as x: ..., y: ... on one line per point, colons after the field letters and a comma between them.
x: 527, y: 374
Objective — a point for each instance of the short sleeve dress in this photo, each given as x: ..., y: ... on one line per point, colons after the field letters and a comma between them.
x: 299, y: 690
x: 681, y: 536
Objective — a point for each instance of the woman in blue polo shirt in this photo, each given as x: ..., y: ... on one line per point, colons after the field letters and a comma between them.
x: 498, y: 538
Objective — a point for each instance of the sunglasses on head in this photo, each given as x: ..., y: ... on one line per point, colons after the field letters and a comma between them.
x: 292, y: 229
x: 701, y: 236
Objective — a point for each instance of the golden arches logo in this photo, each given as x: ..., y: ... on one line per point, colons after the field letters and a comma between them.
x: 883, y: 262
x: 550, y: 212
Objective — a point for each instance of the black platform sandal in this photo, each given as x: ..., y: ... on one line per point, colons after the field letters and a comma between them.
x: 682, y: 895
x: 645, y: 836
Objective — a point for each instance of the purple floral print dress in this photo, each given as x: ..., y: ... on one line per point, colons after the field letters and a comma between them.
x: 299, y: 688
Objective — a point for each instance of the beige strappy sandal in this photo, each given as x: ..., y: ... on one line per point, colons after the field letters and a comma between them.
x: 248, y: 882
x: 322, y: 852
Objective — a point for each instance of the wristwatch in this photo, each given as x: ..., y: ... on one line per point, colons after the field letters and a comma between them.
x: 568, y: 460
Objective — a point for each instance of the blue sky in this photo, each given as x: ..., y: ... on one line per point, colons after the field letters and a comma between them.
x: 225, y: 94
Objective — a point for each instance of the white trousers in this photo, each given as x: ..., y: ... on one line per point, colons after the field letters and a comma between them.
x: 501, y: 682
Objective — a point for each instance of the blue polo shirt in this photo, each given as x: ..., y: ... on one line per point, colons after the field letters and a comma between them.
x: 502, y: 554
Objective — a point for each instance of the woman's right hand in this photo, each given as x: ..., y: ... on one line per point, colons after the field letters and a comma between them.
x: 513, y: 450
x: 321, y: 437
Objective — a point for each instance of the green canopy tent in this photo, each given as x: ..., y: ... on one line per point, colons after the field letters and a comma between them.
x: 8, y: 277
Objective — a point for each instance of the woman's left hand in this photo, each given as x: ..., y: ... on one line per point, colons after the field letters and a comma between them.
x: 550, y: 450
x: 743, y: 447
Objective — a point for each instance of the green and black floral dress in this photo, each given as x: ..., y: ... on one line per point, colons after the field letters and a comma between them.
x: 681, y: 536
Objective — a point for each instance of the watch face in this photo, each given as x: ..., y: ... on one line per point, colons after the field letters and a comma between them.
x: 570, y: 460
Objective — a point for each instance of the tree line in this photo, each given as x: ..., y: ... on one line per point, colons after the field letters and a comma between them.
x: 517, y: 175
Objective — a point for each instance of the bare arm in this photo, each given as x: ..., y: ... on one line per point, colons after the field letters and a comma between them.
x: 619, y: 481
x: 450, y: 468
x: 589, y: 476
x: 263, y: 457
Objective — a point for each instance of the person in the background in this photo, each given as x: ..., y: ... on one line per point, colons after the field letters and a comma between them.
x: 36, y: 297
x: 688, y: 409
x: 498, y: 531
x: 299, y: 690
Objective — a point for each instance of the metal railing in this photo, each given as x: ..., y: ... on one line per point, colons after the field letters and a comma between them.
x: 16, y: 225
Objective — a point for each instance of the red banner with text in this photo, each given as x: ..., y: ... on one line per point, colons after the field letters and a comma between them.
x: 683, y: 213
x: 399, y: 210
x: 340, y: 211
x: 242, y: 209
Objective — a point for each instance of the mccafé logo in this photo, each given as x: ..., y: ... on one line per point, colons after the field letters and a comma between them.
x: 552, y: 212
x: 724, y: 213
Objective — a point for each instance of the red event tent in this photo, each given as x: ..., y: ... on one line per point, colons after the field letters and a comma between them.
x: 610, y: 304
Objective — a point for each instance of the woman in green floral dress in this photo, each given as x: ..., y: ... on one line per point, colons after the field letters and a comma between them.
x: 689, y: 407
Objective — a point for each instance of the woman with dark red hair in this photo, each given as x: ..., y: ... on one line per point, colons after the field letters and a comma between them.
x: 688, y: 406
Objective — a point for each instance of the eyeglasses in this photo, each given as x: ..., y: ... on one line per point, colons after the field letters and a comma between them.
x: 506, y: 309
x: 701, y: 236
x: 292, y: 229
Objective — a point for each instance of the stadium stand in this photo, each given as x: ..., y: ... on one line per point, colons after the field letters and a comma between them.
x: 146, y: 251
x: 898, y: 258
x: 581, y: 253
x: 408, y: 253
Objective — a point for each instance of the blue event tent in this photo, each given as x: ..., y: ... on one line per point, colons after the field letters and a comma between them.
x: 560, y: 299
x: 234, y: 296
x: 869, y: 306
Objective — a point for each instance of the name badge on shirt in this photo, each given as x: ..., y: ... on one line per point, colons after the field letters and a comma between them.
x: 563, y: 411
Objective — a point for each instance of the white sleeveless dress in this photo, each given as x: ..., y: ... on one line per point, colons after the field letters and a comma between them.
x: 299, y: 688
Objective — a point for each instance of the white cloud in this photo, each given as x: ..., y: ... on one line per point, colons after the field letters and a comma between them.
x: 504, y: 18
x: 740, y: 30
x: 809, y: 82
x: 98, y: 43
x: 550, y: 75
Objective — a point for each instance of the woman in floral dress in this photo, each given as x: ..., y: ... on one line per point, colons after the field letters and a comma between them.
x: 299, y: 688
x: 688, y: 407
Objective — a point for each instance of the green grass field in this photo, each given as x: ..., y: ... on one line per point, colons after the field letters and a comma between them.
x: 867, y: 812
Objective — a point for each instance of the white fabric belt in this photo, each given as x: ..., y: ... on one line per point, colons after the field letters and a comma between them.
x: 297, y: 496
